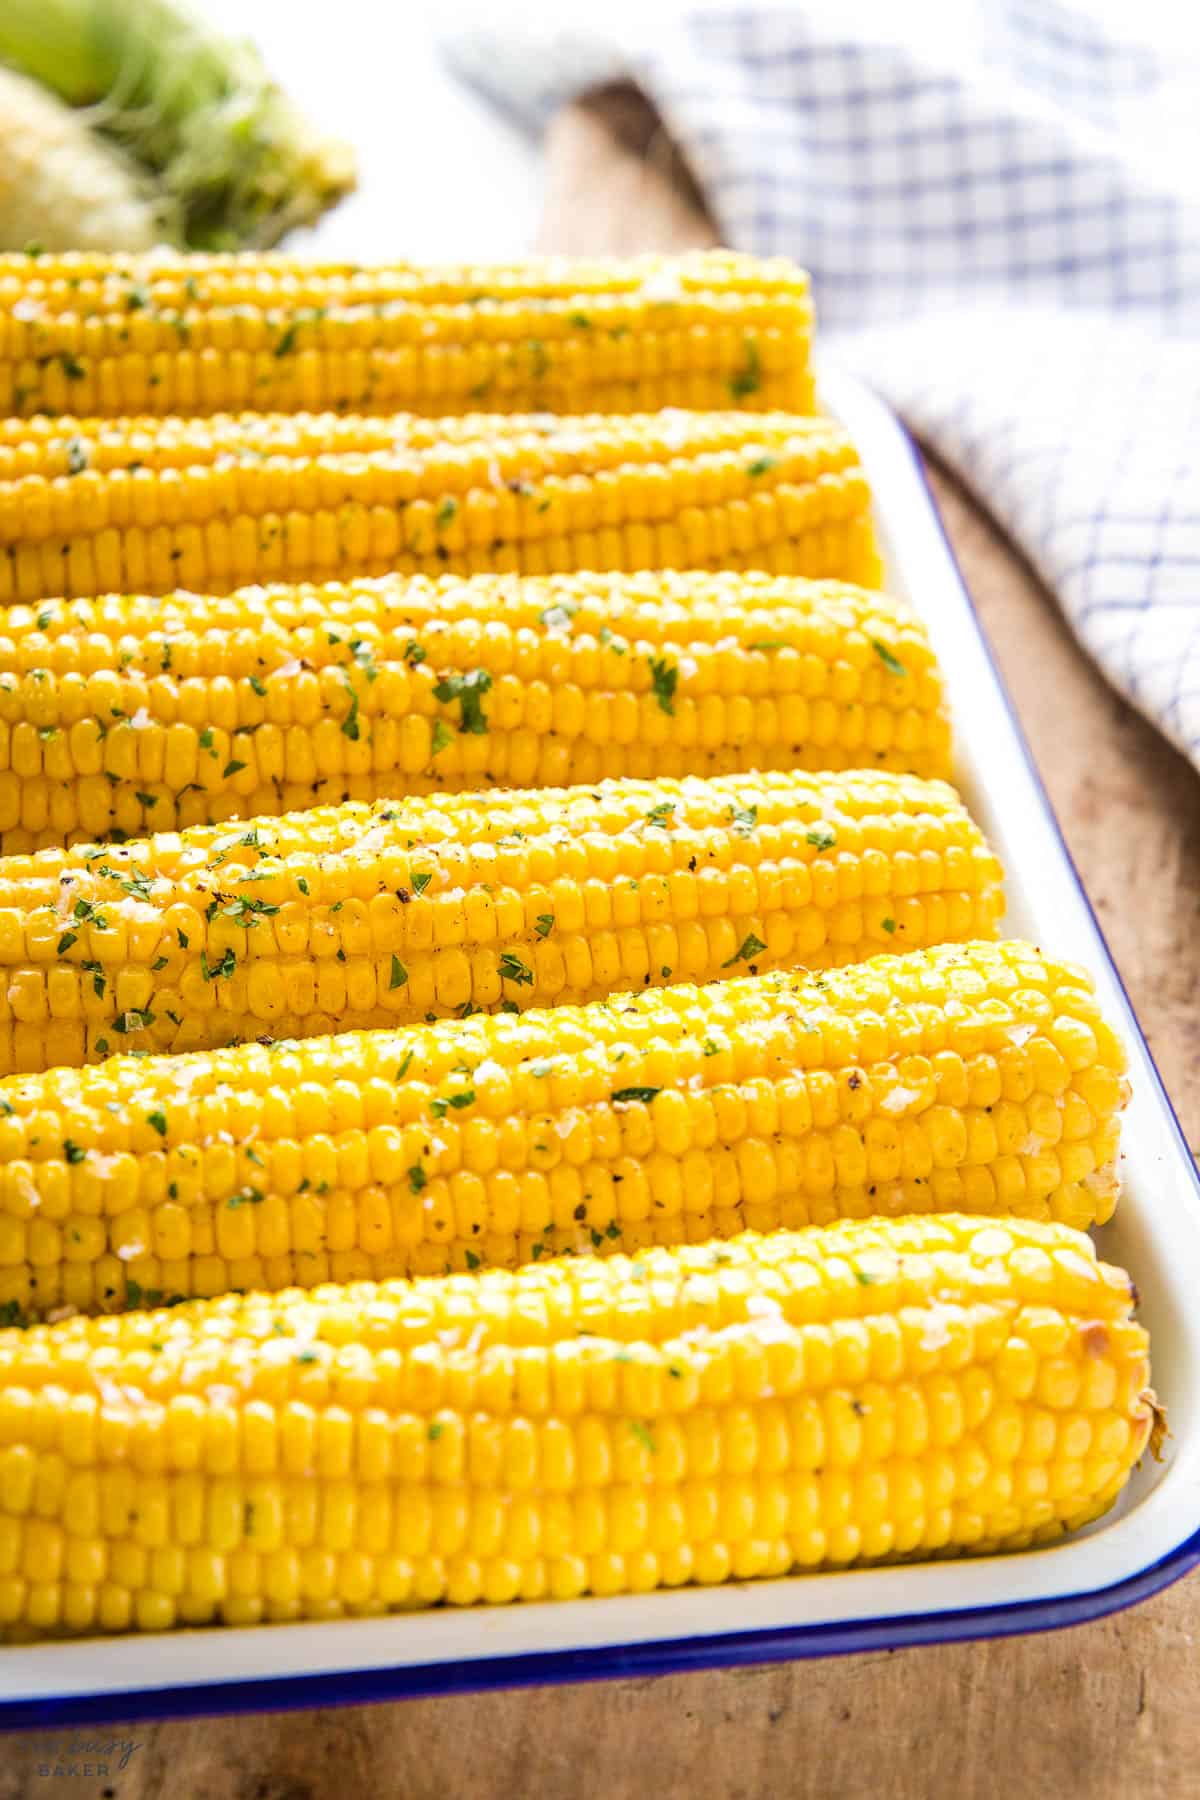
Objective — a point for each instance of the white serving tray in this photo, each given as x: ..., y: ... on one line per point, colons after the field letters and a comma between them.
x: 1151, y: 1537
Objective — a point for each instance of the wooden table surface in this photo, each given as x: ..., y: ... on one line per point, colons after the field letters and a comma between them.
x: 1099, y: 1711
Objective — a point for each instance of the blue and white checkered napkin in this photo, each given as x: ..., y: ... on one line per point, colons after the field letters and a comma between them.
x: 1001, y: 212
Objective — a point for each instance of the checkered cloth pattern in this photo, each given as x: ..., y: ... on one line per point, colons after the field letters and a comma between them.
x: 1001, y: 210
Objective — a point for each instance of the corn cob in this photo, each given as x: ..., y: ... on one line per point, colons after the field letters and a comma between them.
x: 359, y: 915
x: 172, y: 334
x: 138, y: 715
x: 867, y: 1392
x: 214, y: 503
x: 960, y: 1079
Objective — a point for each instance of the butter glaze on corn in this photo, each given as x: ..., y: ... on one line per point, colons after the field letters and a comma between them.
x: 978, y: 1078
x: 357, y: 916
x: 141, y: 714
x: 867, y: 1392
x: 208, y: 334
x: 217, y: 503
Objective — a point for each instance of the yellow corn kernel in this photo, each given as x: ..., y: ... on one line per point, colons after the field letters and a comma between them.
x: 805, y: 1399
x: 274, y: 497
x: 146, y: 715
x: 769, y: 1101
x: 206, y: 334
x: 461, y: 904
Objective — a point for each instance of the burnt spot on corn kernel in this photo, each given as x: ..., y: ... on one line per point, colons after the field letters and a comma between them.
x: 1094, y: 1338
x: 855, y: 1081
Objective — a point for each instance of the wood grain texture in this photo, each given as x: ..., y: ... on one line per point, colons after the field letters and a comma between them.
x: 1109, y: 1711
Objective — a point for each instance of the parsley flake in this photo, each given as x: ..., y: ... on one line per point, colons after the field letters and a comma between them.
x: 750, y: 946
x: 664, y: 679
x: 888, y: 658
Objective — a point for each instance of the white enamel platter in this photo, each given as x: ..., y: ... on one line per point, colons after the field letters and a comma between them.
x: 1150, y: 1539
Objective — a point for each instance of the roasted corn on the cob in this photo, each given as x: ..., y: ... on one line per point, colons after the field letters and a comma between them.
x: 870, y: 1391
x: 138, y: 715
x: 136, y: 505
x: 173, y: 334
x: 978, y: 1078
x: 359, y: 915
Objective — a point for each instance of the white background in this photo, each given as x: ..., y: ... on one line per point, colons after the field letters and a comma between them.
x: 442, y: 173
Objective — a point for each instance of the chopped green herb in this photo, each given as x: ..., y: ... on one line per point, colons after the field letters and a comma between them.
x: 421, y: 882
x: 661, y: 814
x: 351, y: 727
x: 77, y: 462
x: 468, y: 690
x: 250, y: 1196
x: 232, y: 768
x: 762, y: 464
x: 435, y: 1431
x: 363, y: 655
x: 405, y: 1065
x: 159, y: 1122
x: 72, y: 1151
x: 821, y: 839
x: 442, y: 735
x: 889, y: 925
x: 417, y: 1178
x: 146, y: 800
x: 558, y: 617
x: 473, y: 1261
x: 545, y: 924
x: 136, y: 1019
x: 259, y: 686
x: 513, y: 969
x: 446, y: 513
x: 743, y: 819
x: 220, y: 971
x: 665, y: 679
x: 750, y: 946
x: 248, y: 912
x: 624, y: 1096
x: 643, y: 1434
x: 399, y: 975
x: 748, y: 378
x: 457, y: 1101
x: 862, y: 1278
x: 710, y: 1049
x: 66, y: 940
x: 768, y: 644
x: 888, y: 658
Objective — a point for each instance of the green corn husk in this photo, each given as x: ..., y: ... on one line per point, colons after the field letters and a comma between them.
x: 235, y: 159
